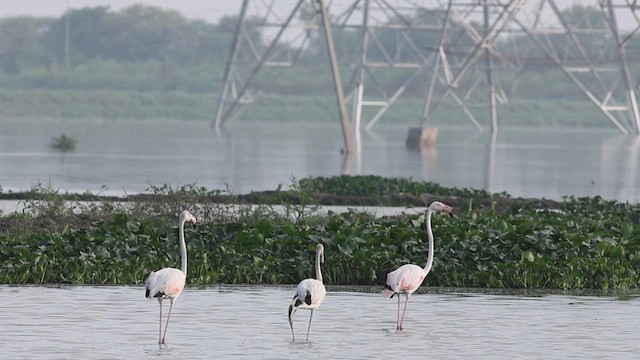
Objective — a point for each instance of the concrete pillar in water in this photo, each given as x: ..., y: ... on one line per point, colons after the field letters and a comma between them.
x: 419, y: 137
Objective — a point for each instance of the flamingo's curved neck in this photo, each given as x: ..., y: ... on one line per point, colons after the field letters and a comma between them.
x: 318, y: 272
x: 183, y: 248
x: 427, y: 267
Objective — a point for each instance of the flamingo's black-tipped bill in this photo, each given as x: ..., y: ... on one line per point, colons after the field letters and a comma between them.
x: 387, y: 290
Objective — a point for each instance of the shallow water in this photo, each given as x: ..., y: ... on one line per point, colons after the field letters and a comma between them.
x: 251, y: 322
x: 118, y: 157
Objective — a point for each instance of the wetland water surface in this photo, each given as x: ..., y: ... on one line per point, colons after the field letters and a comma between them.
x: 117, y: 157
x: 251, y: 322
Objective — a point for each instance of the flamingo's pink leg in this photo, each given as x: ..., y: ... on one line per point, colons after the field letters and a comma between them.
x: 403, y: 311
x: 167, y: 324
x: 398, y: 318
x: 160, y: 332
x: 309, y: 327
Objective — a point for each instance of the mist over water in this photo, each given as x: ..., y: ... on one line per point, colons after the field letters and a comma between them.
x: 118, y: 157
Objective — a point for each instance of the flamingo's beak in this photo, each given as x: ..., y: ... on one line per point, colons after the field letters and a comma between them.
x: 449, y: 210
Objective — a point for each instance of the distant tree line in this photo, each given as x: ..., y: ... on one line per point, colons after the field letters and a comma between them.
x: 146, y: 48
x: 135, y: 34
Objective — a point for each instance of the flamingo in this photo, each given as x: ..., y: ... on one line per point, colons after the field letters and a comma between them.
x: 407, y: 278
x: 167, y: 283
x: 309, y: 293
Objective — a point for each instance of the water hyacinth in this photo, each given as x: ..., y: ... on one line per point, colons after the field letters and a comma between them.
x: 584, y: 243
x: 64, y: 143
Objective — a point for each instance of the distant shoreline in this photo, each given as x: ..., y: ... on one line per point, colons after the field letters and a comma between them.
x: 498, y: 203
x: 134, y: 105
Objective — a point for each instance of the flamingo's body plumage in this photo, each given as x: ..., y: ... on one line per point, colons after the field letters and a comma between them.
x: 407, y: 278
x: 310, y: 293
x: 404, y: 280
x: 167, y: 283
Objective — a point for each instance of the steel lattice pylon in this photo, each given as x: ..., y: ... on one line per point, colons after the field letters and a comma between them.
x: 456, y: 47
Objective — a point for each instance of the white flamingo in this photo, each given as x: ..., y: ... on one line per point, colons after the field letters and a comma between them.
x: 407, y: 278
x: 309, y: 293
x: 167, y: 283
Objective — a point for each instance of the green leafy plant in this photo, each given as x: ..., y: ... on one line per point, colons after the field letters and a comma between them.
x: 587, y: 243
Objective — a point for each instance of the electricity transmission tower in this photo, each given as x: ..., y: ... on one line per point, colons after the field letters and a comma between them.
x: 470, y: 54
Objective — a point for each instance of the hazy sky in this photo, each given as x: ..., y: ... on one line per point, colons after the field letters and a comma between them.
x: 210, y: 10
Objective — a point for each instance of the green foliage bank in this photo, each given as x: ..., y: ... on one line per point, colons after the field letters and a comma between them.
x: 585, y: 243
